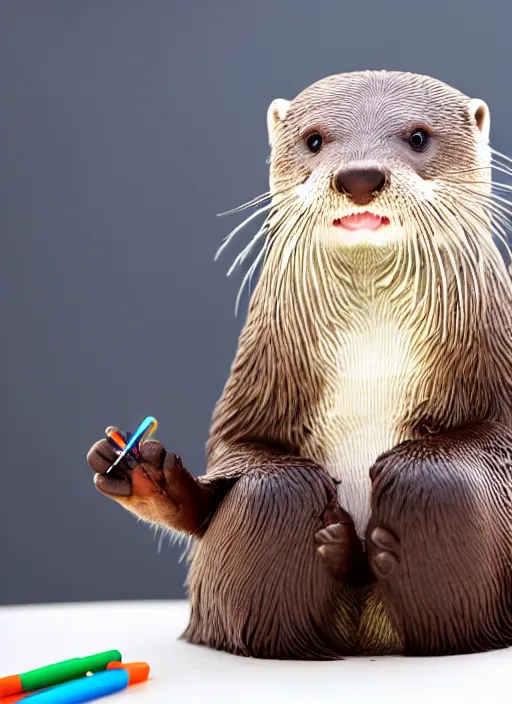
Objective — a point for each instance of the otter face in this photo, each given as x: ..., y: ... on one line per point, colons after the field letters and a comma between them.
x: 370, y: 157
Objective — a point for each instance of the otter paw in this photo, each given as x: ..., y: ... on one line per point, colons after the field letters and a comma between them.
x: 338, y: 545
x: 383, y: 551
x: 158, y: 490
x: 335, y: 548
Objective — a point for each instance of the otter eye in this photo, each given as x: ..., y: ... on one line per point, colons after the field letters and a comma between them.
x: 314, y: 142
x: 419, y: 140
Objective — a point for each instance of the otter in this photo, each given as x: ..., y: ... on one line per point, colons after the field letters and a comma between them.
x: 358, y: 491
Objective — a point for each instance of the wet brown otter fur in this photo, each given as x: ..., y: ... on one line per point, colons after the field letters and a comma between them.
x: 357, y: 497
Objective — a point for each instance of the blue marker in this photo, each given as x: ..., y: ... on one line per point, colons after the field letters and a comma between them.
x: 83, y: 690
x: 127, y: 445
x: 144, y: 431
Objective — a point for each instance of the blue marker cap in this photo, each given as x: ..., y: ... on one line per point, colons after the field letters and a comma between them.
x: 83, y: 690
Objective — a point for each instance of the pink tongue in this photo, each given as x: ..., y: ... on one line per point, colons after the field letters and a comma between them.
x: 360, y: 221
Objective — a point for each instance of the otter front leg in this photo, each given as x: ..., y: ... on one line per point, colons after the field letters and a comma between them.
x: 159, y: 490
x: 258, y: 584
x: 440, y: 539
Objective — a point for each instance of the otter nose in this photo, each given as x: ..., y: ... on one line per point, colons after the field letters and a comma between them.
x: 360, y: 184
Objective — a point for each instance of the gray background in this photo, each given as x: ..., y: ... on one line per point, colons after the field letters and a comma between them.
x: 124, y: 128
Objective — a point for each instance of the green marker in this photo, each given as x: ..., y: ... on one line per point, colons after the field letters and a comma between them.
x: 57, y: 673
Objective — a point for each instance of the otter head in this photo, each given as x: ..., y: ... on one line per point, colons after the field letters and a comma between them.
x: 376, y: 157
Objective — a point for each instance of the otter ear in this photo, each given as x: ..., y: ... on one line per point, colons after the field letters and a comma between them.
x: 479, y: 112
x: 275, y: 115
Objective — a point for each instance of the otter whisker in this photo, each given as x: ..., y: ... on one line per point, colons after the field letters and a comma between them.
x: 408, y: 255
x: 493, y: 259
x: 491, y: 199
x: 237, y: 229
x: 288, y: 236
x: 494, y: 203
x: 502, y: 168
x: 496, y: 229
x: 289, y: 266
x: 311, y: 248
x: 288, y: 251
x: 253, y: 270
x: 279, y: 231
x: 291, y: 317
x: 458, y: 284
x: 275, y: 271
x: 500, y: 160
x: 453, y: 235
x: 248, y: 277
x: 495, y: 209
x: 431, y: 245
x: 490, y: 202
x: 321, y: 301
x: 462, y: 290
x: 483, y: 247
x: 500, y: 226
x: 499, y: 184
x: 431, y: 278
x: 493, y: 166
x: 418, y: 296
x: 442, y: 174
x: 262, y: 232
x: 250, y: 203
x: 500, y: 155
x: 499, y: 221
x: 247, y: 250
x: 494, y: 184
x: 302, y: 273
x: 490, y: 166
x: 468, y: 247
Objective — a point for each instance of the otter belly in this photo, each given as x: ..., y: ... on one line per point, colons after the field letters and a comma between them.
x: 364, y: 400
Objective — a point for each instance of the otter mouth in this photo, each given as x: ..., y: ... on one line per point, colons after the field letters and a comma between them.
x: 361, y: 221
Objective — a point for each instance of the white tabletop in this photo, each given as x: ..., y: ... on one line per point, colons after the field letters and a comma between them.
x: 32, y: 636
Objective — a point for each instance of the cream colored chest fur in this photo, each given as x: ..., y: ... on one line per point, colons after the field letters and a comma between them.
x: 363, y: 399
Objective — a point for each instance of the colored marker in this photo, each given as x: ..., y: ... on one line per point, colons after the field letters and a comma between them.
x: 83, y: 690
x: 57, y: 673
x: 129, y: 453
x: 117, y: 441
x: 137, y: 672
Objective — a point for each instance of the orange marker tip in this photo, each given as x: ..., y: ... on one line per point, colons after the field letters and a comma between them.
x: 137, y: 671
x: 10, y: 685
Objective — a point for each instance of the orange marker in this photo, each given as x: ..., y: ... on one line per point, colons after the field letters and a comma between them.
x: 137, y: 671
x: 117, y: 438
x: 9, y: 685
